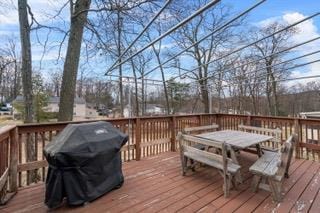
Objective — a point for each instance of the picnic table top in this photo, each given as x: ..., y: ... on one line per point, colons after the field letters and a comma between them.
x: 235, y: 138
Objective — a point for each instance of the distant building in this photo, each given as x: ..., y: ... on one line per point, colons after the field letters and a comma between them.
x: 151, y: 109
x: 80, y: 110
x: 155, y: 109
x: 310, y: 115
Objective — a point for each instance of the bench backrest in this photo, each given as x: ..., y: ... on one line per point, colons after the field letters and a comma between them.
x: 275, y: 143
x: 198, y: 129
x: 286, y: 156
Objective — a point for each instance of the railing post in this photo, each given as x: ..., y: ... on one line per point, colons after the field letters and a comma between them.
x: 138, y: 139
x: 248, y: 121
x: 173, y: 133
x: 200, y: 120
x: 218, y: 121
x: 13, y: 167
x: 297, y: 131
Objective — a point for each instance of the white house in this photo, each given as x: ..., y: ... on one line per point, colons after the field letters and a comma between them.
x: 79, y: 106
x: 310, y: 115
x: 154, y: 109
x: 80, y: 110
x: 151, y: 109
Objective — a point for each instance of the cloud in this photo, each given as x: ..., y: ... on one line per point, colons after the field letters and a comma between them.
x: 306, y: 31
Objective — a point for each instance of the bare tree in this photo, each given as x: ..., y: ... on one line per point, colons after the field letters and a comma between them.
x: 156, y: 29
x: 114, y: 30
x: 266, y: 49
x: 202, y: 53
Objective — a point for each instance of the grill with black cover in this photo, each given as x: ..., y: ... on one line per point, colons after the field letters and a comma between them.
x: 84, y: 163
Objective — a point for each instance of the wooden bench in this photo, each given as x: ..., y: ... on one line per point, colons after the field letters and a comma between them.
x: 272, y: 167
x: 200, y: 129
x: 272, y: 145
x: 226, y: 166
x: 197, y: 129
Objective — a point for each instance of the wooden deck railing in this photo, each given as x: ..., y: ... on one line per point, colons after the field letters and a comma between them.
x: 147, y: 136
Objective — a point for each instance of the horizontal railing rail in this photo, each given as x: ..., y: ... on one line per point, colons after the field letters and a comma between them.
x: 147, y: 136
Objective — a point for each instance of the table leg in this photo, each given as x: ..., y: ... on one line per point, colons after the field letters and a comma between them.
x: 235, y: 160
x: 259, y: 150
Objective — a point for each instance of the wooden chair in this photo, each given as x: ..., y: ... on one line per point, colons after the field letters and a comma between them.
x: 273, y: 167
x: 272, y: 145
x: 226, y: 166
x: 200, y: 129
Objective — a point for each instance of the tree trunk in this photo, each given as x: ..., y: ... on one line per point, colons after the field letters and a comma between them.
x: 142, y: 97
x: 26, y: 70
x: 71, y: 64
x: 205, y: 96
x: 16, y: 80
x: 119, y: 26
x: 135, y: 88
x: 268, y: 88
x: 275, y: 96
x: 163, y: 80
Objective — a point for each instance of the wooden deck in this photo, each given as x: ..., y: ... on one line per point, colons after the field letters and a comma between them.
x: 155, y: 184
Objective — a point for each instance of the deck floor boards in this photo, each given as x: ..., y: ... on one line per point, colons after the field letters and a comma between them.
x: 155, y: 184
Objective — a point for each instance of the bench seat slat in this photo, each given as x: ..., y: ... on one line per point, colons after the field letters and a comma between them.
x: 232, y: 168
x: 267, y: 164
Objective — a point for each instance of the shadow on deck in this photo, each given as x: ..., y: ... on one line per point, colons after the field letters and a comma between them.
x: 155, y: 184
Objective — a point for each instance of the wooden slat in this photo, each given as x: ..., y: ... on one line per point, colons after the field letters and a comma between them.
x: 203, y: 141
x: 4, y: 136
x: 128, y: 147
x: 156, y: 142
x: 201, y: 128
x: 32, y: 165
x: 310, y: 146
x: 4, y: 178
x: 194, y: 152
x: 267, y: 164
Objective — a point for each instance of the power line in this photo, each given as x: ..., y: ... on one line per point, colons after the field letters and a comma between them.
x: 255, y: 42
x: 131, y: 77
x: 141, y: 33
x: 300, y: 65
x: 283, y: 62
x: 288, y: 68
x: 255, y: 61
x: 279, y: 80
x: 138, y: 82
x: 183, y: 22
x: 208, y: 35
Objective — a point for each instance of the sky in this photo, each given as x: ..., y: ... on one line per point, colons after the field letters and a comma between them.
x: 288, y: 11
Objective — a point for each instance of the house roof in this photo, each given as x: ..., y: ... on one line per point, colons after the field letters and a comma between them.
x: 53, y: 100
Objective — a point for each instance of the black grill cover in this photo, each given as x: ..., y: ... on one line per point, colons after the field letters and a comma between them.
x: 84, y: 163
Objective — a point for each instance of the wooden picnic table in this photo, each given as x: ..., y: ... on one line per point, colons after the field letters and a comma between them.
x: 237, y: 140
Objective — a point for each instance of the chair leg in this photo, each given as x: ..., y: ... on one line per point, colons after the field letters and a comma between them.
x: 226, y: 186
x: 234, y: 183
x: 192, y: 165
x: 184, y: 165
x: 238, y: 177
x: 255, y: 183
x: 275, y: 188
